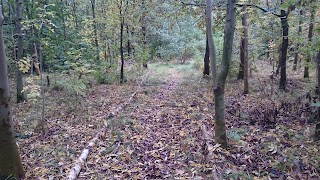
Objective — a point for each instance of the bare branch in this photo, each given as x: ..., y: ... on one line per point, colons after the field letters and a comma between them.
x: 262, y: 9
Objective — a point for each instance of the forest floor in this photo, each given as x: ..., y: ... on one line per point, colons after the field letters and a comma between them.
x: 166, y: 132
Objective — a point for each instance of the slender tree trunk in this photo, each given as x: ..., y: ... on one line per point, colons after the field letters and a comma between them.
x: 144, y: 30
x: 317, y: 130
x: 245, y: 50
x: 74, y: 9
x: 212, y: 48
x: 93, y: 6
x: 279, y: 59
x: 128, y: 41
x: 105, y: 49
x: 296, y: 55
x: 219, y: 90
x: 10, y: 162
x: 310, y: 34
x: 241, y: 65
x: 268, y: 40
x: 20, y: 94
x: 63, y: 22
x: 121, y: 48
x: 206, y: 69
x: 36, y: 63
x: 284, y: 49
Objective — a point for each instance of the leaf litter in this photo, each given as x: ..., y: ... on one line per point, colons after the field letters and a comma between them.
x: 166, y: 132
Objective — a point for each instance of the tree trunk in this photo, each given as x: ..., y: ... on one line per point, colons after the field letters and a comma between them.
x: 310, y: 34
x: 212, y: 48
x: 220, y: 125
x: 20, y: 94
x: 93, y: 6
x: 296, y: 55
x: 284, y: 49
x: 36, y: 63
x: 128, y: 41
x: 245, y: 50
x: 10, y: 162
x: 63, y: 23
x: 317, y: 130
x: 241, y: 65
x: 121, y: 46
x: 74, y: 9
x: 144, y: 30
x: 206, y: 69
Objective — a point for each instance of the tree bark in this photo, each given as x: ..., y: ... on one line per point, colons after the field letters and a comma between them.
x: 74, y: 9
x: 310, y: 34
x: 121, y: 44
x: 144, y: 30
x: 219, y: 90
x: 212, y: 48
x: 284, y: 49
x: 128, y: 41
x: 241, y: 65
x: 20, y: 94
x: 296, y: 55
x: 245, y: 50
x: 10, y: 162
x: 206, y: 69
x: 63, y: 23
x: 93, y: 6
x: 317, y: 130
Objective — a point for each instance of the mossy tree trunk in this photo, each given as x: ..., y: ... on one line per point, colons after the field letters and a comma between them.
x: 10, y: 163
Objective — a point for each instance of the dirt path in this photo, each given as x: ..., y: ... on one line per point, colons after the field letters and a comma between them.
x: 158, y: 136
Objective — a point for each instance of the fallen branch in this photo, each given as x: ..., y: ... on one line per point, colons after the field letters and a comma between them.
x: 75, y: 171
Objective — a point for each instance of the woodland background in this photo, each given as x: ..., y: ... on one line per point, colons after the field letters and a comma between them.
x: 137, y: 75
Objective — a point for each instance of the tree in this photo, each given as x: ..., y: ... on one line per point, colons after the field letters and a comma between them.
x: 244, y: 48
x: 296, y: 55
x: 219, y: 89
x: 243, y: 68
x: 317, y: 130
x: 20, y: 95
x: 284, y: 48
x: 206, y: 68
x: 10, y: 162
x: 284, y: 14
x: 122, y: 11
x: 212, y: 48
x: 93, y: 6
x: 310, y: 34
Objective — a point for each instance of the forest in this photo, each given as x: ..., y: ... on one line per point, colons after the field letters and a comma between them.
x: 160, y: 89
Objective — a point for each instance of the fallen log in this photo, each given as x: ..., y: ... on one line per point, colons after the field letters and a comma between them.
x: 75, y: 170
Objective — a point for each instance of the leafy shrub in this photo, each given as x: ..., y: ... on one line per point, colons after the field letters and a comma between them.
x: 73, y: 86
x: 104, y: 78
x: 32, y: 89
x: 198, y: 62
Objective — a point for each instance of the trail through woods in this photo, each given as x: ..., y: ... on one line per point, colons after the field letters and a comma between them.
x: 157, y: 136
x: 165, y: 132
